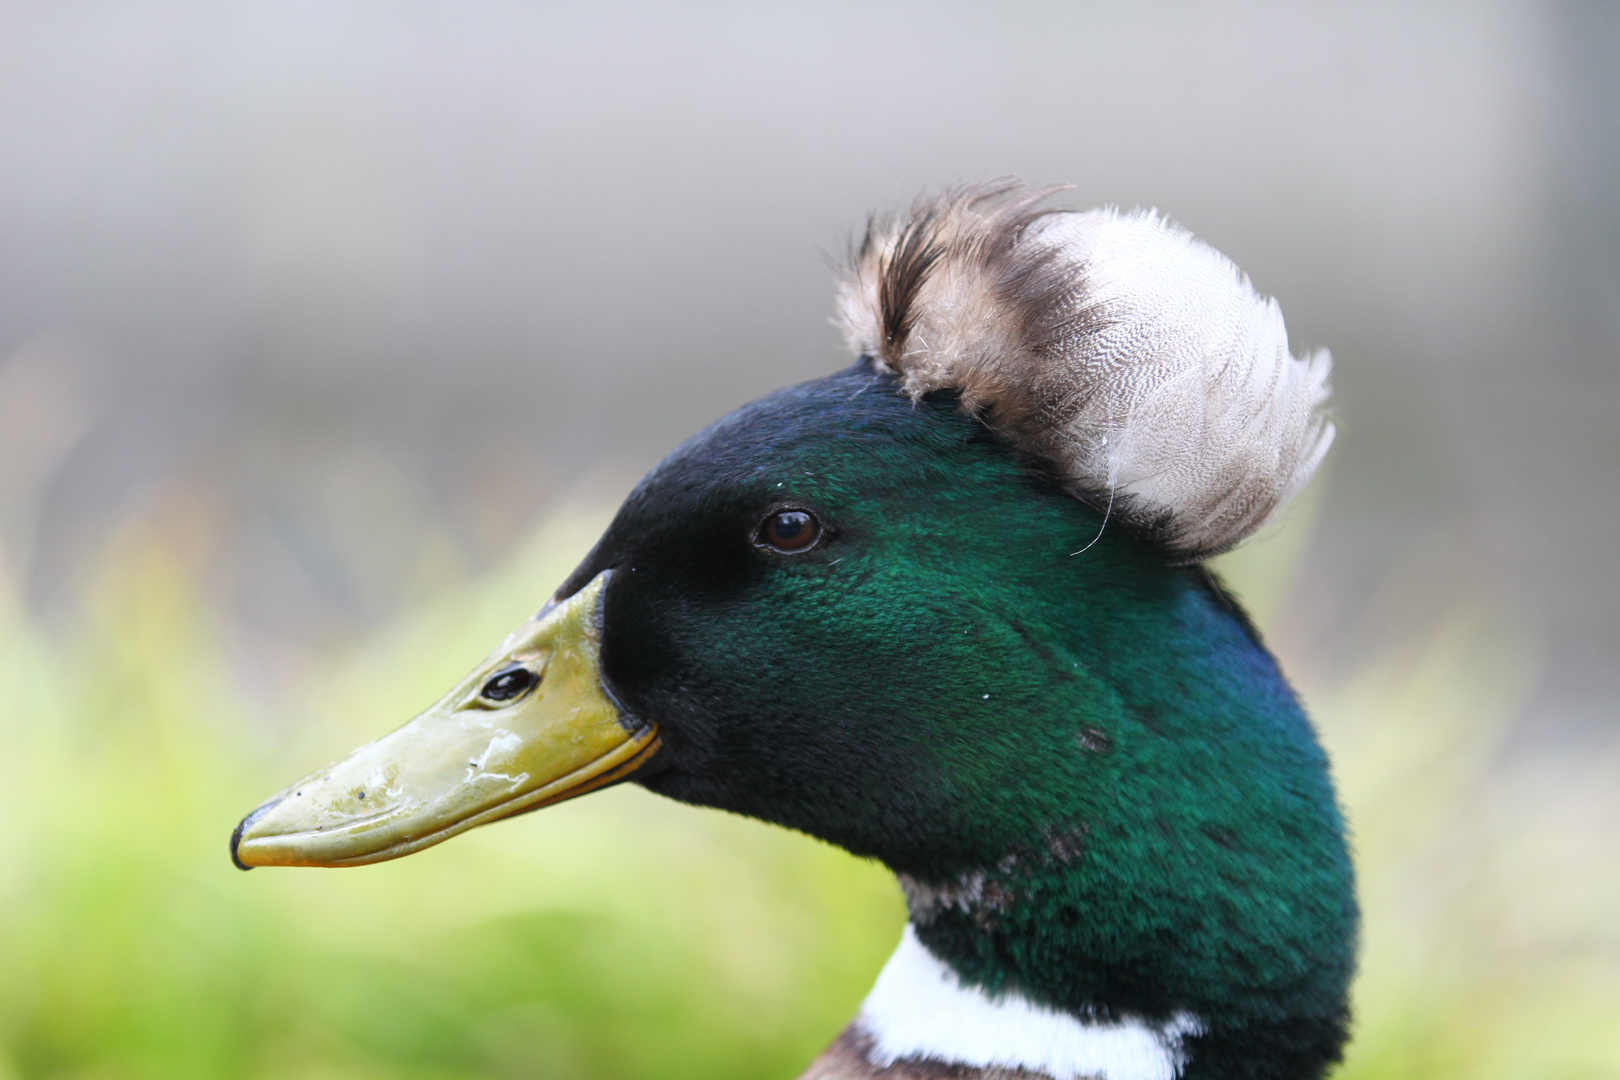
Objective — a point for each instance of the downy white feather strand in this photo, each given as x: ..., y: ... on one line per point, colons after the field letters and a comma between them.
x: 1136, y: 362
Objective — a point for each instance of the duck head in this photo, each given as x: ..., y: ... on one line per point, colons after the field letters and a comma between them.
x: 891, y: 615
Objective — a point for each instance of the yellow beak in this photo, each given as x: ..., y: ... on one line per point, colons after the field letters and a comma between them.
x: 529, y: 727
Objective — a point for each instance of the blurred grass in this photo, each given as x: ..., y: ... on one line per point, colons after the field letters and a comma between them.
x: 625, y: 936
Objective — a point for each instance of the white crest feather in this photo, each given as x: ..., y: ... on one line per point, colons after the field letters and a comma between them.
x: 1136, y: 361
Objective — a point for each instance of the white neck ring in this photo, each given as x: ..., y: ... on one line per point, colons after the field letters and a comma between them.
x: 919, y: 1010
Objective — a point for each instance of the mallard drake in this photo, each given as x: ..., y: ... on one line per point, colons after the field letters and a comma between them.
x: 948, y: 609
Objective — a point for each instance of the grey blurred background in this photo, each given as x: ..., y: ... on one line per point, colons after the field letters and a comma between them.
x: 349, y: 293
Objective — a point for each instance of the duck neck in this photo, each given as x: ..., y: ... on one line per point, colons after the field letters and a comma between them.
x: 1198, y: 922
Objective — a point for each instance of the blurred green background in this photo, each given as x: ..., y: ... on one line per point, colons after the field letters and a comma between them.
x: 331, y: 334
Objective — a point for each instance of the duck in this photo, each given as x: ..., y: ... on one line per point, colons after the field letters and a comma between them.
x: 950, y: 609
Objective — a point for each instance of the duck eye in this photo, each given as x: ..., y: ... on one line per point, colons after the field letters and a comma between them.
x: 789, y: 531
x: 508, y: 684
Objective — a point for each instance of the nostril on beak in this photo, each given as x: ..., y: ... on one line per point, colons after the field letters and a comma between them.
x: 509, y: 683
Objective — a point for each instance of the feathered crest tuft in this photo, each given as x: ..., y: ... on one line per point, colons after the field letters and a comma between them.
x: 1133, y: 359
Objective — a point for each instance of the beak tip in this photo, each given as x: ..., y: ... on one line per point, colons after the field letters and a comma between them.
x: 242, y: 827
x: 236, y: 840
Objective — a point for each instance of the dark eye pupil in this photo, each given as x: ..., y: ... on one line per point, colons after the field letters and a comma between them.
x: 508, y: 683
x: 791, y: 530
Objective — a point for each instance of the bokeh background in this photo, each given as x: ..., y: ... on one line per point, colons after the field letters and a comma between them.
x: 330, y: 334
